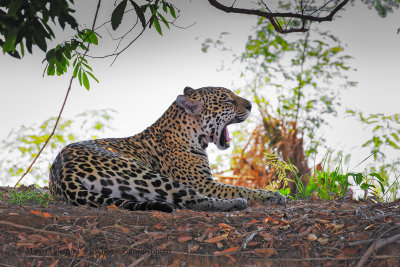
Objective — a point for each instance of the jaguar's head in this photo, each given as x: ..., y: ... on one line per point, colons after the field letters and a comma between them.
x: 215, y: 108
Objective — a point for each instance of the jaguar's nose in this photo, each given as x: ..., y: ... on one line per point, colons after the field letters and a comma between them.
x: 247, y: 105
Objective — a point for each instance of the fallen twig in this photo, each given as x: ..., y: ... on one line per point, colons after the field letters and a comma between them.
x: 39, y: 230
x: 375, y: 246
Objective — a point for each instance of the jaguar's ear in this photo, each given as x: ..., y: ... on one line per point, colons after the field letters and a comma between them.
x: 187, y: 90
x: 192, y: 107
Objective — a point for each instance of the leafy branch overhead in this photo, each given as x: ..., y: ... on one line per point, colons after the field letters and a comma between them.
x: 58, y: 58
x: 152, y: 6
x: 288, y: 22
x: 27, y: 23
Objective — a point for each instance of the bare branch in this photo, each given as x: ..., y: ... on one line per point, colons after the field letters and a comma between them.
x: 62, y: 107
x: 378, y: 244
x: 116, y: 54
x: 272, y: 16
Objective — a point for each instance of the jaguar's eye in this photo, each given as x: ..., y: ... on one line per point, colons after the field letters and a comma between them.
x: 230, y: 101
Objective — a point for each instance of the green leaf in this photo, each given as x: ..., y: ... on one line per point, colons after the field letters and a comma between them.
x: 80, y: 76
x: 22, y: 48
x: 90, y: 37
x: 87, y: 66
x: 13, y: 7
x: 392, y: 144
x: 382, y: 186
x: 92, y: 76
x: 378, y: 176
x: 365, y: 186
x: 376, y: 128
x: 336, y: 49
x: 118, y: 14
x: 98, y: 126
x: 76, y: 59
x: 285, y: 191
x: 396, y: 137
x: 81, y: 45
x: 172, y: 10
x: 51, y: 70
x: 77, y: 67
x: 139, y: 13
x: 9, y: 44
x: 164, y: 20
x: 83, y: 59
x: 157, y: 25
x: 40, y: 40
x: 358, y: 177
x: 86, y: 81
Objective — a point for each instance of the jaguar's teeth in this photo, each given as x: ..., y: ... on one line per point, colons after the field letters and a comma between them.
x: 227, y: 138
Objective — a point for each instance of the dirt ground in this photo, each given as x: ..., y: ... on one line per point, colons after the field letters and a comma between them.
x: 302, y: 233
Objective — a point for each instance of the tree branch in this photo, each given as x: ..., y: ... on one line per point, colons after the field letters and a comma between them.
x: 378, y: 244
x: 271, y: 16
x: 62, y: 107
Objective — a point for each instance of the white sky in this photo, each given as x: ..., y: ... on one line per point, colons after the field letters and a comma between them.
x: 146, y: 79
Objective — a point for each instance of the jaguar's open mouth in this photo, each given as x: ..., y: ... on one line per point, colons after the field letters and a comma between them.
x: 224, y: 138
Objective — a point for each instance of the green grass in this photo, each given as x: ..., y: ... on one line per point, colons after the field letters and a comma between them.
x: 330, y: 183
x: 23, y: 197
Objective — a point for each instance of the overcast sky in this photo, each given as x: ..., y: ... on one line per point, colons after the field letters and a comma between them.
x: 146, y: 79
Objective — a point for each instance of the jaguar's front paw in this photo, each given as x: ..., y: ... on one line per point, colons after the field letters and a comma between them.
x: 270, y: 197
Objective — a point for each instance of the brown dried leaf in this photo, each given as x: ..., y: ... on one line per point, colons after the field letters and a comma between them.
x: 216, y: 239
x: 23, y: 244
x: 112, y: 207
x: 267, y: 236
x: 159, y: 226
x: 223, y: 225
x: 323, y: 241
x: 36, y: 212
x: 312, y: 237
x: 54, y: 264
x: 125, y: 229
x: 265, y: 251
x: 38, y: 238
x: 227, y: 251
x: 211, y: 230
x: 183, y: 228
x: 206, y: 232
x: 337, y: 226
x: 270, y: 220
x: 193, y: 247
x: 184, y: 238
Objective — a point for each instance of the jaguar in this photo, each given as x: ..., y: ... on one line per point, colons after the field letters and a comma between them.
x: 165, y: 167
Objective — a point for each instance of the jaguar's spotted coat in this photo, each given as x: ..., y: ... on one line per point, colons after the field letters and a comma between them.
x: 164, y: 167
